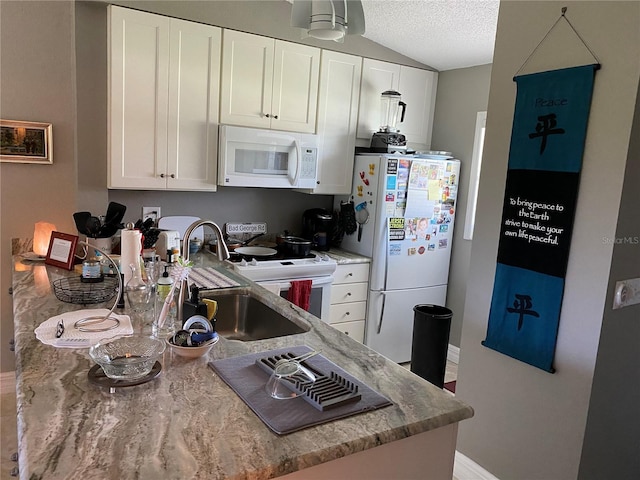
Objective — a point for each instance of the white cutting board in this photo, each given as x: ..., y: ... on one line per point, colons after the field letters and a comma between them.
x: 180, y: 223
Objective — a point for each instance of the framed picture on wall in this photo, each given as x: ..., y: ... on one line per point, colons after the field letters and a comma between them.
x: 62, y: 249
x: 25, y: 142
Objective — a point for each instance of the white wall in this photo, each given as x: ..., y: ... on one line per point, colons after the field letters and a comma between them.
x: 529, y: 423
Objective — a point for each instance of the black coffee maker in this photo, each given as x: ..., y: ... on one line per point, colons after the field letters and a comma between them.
x: 317, y: 224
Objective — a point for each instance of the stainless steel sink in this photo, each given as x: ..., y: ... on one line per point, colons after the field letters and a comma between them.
x: 244, y: 317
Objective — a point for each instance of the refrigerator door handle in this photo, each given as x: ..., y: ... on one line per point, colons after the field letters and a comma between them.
x: 383, y: 293
x: 386, y: 259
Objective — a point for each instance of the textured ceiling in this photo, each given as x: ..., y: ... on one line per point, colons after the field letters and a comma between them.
x: 444, y: 34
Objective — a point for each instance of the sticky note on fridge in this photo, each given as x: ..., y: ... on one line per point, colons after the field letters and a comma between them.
x: 434, y: 189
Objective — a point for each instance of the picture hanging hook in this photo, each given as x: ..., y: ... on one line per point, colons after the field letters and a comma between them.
x: 562, y: 16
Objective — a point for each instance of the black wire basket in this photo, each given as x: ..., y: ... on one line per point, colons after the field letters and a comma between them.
x: 74, y: 290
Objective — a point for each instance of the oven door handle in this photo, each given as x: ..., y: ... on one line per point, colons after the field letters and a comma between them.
x: 274, y: 287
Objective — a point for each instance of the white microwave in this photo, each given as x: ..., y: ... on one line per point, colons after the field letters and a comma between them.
x: 252, y: 157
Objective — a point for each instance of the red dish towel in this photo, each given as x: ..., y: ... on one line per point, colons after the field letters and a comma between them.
x: 299, y: 293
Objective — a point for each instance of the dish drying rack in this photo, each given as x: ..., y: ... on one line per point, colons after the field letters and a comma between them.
x: 328, y: 391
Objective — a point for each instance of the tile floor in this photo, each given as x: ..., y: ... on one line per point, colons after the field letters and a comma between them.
x: 9, y: 436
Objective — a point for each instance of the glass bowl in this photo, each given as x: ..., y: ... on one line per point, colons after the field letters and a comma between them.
x: 127, y: 358
x: 286, y: 377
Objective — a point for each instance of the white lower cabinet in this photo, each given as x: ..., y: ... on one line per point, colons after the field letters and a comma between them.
x: 349, y: 299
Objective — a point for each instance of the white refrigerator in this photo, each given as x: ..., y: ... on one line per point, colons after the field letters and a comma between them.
x: 405, y: 210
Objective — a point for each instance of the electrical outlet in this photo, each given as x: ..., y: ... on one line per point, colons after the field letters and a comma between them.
x: 151, y: 212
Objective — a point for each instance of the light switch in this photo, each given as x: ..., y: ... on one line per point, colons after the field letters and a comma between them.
x: 626, y: 293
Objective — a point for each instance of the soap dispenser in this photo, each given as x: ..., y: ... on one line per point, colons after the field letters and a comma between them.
x: 164, y: 288
x: 193, y: 306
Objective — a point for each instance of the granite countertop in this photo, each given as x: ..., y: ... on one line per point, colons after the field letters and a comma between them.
x: 187, y: 423
x: 344, y: 258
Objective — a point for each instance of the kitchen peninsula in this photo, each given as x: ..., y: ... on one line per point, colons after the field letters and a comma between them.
x: 188, y: 424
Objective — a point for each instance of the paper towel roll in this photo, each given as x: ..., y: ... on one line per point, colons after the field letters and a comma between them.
x: 130, y: 251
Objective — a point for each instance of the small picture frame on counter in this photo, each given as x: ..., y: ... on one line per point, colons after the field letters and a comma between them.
x: 62, y: 249
x: 26, y: 142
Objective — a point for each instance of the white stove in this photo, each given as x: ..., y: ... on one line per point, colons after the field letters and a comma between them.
x: 278, y: 274
x: 285, y: 268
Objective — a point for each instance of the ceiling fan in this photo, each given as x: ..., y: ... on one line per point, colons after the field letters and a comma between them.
x: 328, y: 19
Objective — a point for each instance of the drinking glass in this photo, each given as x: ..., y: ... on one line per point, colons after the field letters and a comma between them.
x: 139, y: 294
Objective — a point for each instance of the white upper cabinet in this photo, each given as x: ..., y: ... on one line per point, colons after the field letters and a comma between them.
x: 163, y: 98
x: 268, y: 83
x: 418, y: 90
x: 420, y: 97
x: 377, y: 77
x: 337, y: 120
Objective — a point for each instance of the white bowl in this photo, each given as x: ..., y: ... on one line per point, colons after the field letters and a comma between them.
x: 193, y: 352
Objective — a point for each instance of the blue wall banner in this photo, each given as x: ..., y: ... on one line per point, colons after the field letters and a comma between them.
x: 545, y: 158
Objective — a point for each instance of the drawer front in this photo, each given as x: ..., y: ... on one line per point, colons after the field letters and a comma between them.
x: 354, y: 329
x: 352, y: 273
x: 349, y: 292
x: 347, y: 312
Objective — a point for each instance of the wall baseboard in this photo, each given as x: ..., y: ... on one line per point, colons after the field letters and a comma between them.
x: 453, y: 354
x: 7, y: 382
x: 466, y: 469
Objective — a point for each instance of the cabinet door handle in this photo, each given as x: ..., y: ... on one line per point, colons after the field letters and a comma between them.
x: 349, y: 274
x: 348, y: 294
x: 275, y: 116
x: 162, y: 175
x: 267, y: 115
x: 347, y: 313
x: 173, y: 175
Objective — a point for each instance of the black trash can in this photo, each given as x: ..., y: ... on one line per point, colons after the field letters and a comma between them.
x: 431, y: 327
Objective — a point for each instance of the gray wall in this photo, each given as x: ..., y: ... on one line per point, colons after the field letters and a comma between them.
x: 37, y: 83
x: 529, y: 423
x: 611, y: 440
x: 462, y: 93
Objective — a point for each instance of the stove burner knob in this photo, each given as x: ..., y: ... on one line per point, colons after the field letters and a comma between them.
x: 243, y: 262
x: 254, y: 262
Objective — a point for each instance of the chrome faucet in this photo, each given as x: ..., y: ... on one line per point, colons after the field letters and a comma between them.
x: 221, y: 249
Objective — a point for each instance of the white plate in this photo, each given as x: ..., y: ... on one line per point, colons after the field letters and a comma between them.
x: 256, y: 251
